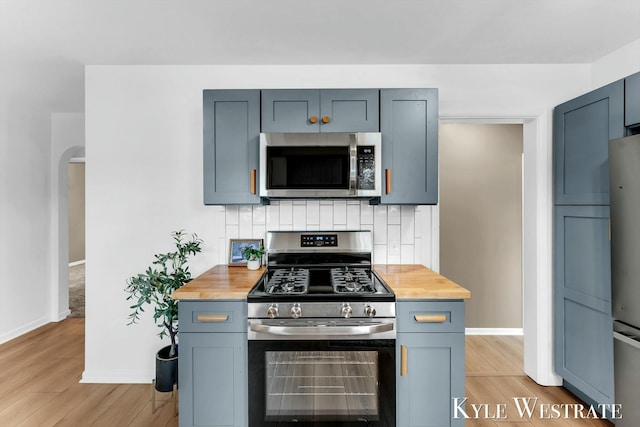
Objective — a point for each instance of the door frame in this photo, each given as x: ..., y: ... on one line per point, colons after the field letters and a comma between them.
x: 537, y: 196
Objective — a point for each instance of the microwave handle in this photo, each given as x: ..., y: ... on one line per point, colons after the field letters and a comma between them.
x: 353, y: 166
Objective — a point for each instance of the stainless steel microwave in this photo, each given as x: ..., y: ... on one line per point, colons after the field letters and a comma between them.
x: 311, y: 165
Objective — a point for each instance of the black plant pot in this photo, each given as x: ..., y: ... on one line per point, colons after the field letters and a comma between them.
x: 166, y: 369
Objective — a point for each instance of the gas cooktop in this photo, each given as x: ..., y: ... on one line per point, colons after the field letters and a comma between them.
x: 319, y: 266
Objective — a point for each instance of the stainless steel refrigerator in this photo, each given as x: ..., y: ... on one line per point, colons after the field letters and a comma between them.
x: 624, y: 164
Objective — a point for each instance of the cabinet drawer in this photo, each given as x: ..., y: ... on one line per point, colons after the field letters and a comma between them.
x: 430, y: 316
x: 213, y: 316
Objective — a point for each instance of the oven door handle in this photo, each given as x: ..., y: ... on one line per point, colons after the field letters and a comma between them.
x: 321, y: 330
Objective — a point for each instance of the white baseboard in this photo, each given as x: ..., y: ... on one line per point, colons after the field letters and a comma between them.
x: 23, y: 329
x: 63, y: 315
x: 73, y: 264
x: 494, y: 331
x: 115, y: 378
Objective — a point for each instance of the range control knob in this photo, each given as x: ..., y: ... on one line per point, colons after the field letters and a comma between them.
x: 272, y: 311
x: 346, y: 310
x: 369, y: 311
x: 296, y: 311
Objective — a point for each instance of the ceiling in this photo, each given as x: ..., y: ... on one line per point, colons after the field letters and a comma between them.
x: 320, y: 32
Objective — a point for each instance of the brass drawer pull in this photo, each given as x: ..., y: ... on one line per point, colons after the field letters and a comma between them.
x: 387, y: 175
x: 252, y: 181
x: 212, y: 318
x: 404, y: 356
x: 430, y: 318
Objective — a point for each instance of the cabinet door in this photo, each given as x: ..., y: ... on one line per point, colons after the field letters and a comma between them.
x: 231, y: 146
x: 409, y: 126
x: 583, y: 347
x: 349, y: 110
x: 291, y: 110
x: 434, y: 376
x: 213, y: 379
x: 582, y: 129
x: 632, y: 100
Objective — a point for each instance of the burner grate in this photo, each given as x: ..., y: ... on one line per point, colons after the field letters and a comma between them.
x: 288, y: 281
x: 354, y: 280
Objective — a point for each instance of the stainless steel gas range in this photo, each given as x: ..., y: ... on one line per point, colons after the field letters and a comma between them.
x: 321, y: 334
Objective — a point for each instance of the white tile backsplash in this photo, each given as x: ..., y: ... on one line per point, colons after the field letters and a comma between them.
x: 353, y: 216
x: 401, y: 234
x: 380, y: 225
x: 340, y: 212
x: 393, y: 214
x: 286, y: 212
x: 259, y: 215
x: 299, y: 216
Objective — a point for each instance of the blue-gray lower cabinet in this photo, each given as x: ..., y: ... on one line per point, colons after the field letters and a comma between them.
x: 320, y: 110
x: 431, y: 362
x: 212, y: 366
x: 583, y: 338
x: 409, y: 127
x: 582, y: 129
x: 632, y: 100
x: 231, y: 146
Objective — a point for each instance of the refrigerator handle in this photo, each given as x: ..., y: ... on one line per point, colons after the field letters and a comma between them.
x: 627, y: 340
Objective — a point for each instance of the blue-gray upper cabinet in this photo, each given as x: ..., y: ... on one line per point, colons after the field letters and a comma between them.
x: 409, y: 126
x: 320, y: 110
x: 583, y: 338
x: 632, y: 100
x: 231, y: 146
x: 582, y: 129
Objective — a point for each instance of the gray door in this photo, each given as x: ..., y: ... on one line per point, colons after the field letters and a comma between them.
x: 313, y: 110
x: 231, y: 146
x: 583, y: 341
x: 291, y: 110
x: 434, y: 376
x: 409, y: 126
x: 349, y: 110
x: 582, y: 129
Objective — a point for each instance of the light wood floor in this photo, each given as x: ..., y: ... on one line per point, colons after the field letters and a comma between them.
x: 495, y: 375
x: 39, y: 384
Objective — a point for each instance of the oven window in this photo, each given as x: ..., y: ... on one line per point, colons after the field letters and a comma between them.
x: 321, y: 386
x: 308, y: 167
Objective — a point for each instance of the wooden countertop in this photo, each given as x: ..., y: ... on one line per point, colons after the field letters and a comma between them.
x: 415, y: 281
x: 408, y: 281
x: 220, y: 282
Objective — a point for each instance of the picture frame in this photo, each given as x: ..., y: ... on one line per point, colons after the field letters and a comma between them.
x: 236, y: 247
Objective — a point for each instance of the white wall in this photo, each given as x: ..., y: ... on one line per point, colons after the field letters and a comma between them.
x: 27, y: 98
x: 144, y: 173
x: 616, y: 65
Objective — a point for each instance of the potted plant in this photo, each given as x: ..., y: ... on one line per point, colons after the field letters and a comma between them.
x: 168, y: 272
x: 253, y: 256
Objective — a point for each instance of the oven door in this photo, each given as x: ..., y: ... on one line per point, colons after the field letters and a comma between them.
x: 322, y: 383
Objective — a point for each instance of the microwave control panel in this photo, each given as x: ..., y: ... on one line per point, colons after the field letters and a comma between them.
x: 366, y: 168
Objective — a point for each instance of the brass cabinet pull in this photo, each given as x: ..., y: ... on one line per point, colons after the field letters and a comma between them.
x: 252, y: 184
x: 404, y: 356
x: 212, y: 318
x: 313, y: 119
x: 326, y: 119
x: 430, y: 318
x: 387, y: 175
